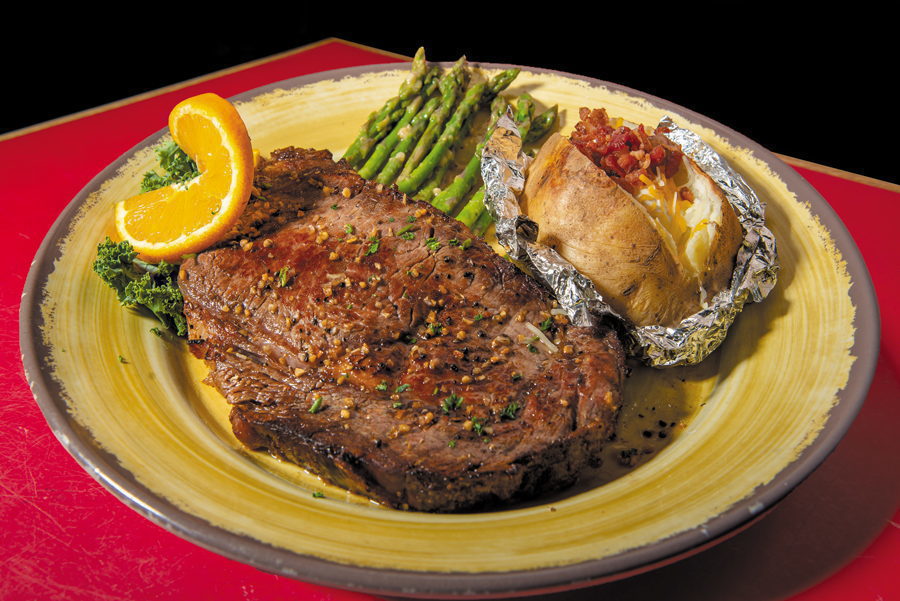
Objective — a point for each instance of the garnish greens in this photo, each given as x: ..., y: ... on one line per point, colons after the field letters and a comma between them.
x: 142, y: 285
x: 177, y: 165
x: 454, y: 401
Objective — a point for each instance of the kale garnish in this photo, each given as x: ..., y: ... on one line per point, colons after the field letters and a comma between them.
x: 177, y: 165
x: 142, y: 285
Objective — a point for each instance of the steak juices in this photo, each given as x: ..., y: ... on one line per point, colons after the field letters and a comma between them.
x: 377, y: 342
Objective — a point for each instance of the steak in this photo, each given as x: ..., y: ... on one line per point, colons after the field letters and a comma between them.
x: 377, y: 342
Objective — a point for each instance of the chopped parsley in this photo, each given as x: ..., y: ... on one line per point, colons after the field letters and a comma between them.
x: 348, y: 228
x: 452, y: 444
x: 382, y: 386
x: 397, y: 405
x: 433, y: 244
x: 509, y: 412
x: 373, y: 247
x: 156, y: 331
x: 532, y: 348
x: 454, y: 401
x: 335, y: 207
x: 122, y: 359
x: 318, y: 495
x: 546, y: 324
x: 435, y: 329
x: 410, y: 219
x: 282, y: 275
x: 406, y: 233
x: 401, y: 388
x: 479, y: 317
x: 316, y: 405
x: 477, y: 426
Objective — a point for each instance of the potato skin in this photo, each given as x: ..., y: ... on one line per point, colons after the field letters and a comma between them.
x: 611, y: 238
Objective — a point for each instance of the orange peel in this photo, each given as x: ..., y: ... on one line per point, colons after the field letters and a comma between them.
x: 181, y: 219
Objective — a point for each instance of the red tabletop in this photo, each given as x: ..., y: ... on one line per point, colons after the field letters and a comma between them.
x: 835, y: 538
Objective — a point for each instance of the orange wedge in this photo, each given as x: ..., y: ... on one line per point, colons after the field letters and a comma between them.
x: 180, y: 219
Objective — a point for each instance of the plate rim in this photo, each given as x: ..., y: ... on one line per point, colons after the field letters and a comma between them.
x: 243, y: 548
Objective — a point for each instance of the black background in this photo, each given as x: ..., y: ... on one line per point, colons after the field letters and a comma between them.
x: 812, y: 87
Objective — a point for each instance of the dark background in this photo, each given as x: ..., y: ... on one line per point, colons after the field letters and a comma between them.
x: 812, y: 87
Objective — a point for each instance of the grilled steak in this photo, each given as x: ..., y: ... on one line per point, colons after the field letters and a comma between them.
x: 375, y: 341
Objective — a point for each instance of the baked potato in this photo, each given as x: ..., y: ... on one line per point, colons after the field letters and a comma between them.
x: 657, y: 254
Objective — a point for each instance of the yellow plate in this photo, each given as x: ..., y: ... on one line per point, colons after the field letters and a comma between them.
x: 749, y: 424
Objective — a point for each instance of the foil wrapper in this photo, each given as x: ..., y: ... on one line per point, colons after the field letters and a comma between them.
x: 503, y: 167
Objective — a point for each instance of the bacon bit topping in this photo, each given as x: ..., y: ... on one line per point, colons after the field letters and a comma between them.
x: 625, y: 154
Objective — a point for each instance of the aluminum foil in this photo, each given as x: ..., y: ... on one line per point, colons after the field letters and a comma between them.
x: 503, y: 168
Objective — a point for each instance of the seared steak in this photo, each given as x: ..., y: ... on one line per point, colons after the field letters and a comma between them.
x: 375, y: 341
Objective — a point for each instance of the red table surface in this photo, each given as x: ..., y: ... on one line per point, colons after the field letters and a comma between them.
x: 836, y: 537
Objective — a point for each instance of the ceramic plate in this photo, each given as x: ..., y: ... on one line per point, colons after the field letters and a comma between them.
x: 741, y: 430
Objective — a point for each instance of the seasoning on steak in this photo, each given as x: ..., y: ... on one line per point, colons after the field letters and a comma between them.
x: 377, y: 342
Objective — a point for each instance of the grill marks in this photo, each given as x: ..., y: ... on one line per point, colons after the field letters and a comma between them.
x: 409, y: 353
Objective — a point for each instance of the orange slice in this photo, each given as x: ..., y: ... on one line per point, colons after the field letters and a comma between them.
x: 180, y: 219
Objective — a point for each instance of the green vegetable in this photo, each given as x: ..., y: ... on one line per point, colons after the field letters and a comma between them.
x: 406, y: 233
x: 478, y: 425
x: 385, y: 148
x: 474, y: 213
x: 379, y: 122
x: 450, y: 85
x: 282, y: 275
x: 142, y: 285
x: 509, y: 412
x: 402, y: 388
x: 452, y: 402
x: 381, y: 386
x: 316, y: 405
x: 175, y: 162
x: 445, y: 141
x: 448, y: 199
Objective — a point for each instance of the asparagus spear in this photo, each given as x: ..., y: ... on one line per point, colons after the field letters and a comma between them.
x: 414, y: 175
x: 378, y: 122
x: 450, y: 85
x: 473, y: 209
x: 428, y: 190
x: 474, y: 213
x: 382, y: 152
x: 447, y: 138
x: 456, y: 191
x: 484, y: 219
x: 432, y: 187
x: 407, y: 138
x: 500, y: 82
x: 542, y: 124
